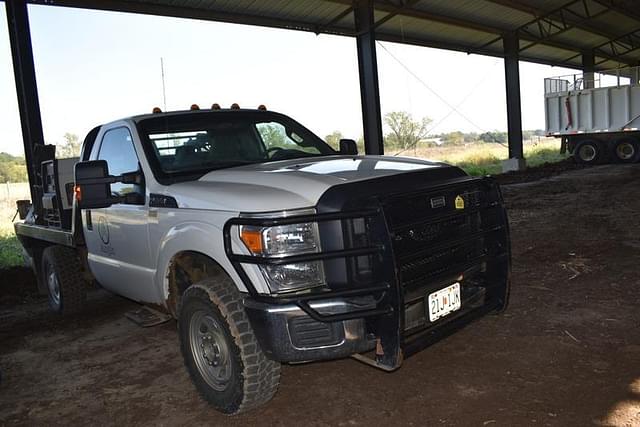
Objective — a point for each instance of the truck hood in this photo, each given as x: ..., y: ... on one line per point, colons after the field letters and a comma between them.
x: 287, y: 184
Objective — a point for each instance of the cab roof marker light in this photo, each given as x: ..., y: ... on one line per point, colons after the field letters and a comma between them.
x: 262, y: 107
x: 215, y: 106
x: 235, y: 106
x: 156, y: 110
x: 194, y: 107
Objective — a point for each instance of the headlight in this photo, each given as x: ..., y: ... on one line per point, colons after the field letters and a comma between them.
x: 285, y: 240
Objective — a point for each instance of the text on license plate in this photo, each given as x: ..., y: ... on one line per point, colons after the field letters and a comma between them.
x: 444, y: 301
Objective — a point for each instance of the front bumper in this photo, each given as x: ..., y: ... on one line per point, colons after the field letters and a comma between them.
x: 287, y: 334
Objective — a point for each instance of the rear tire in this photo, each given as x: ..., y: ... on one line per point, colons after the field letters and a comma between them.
x: 220, y: 350
x: 589, y: 152
x: 62, y: 276
x: 625, y: 150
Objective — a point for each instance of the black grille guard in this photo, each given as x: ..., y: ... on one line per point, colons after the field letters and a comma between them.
x: 386, y: 319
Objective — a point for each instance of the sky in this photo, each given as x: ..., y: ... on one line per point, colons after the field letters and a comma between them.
x: 93, y: 67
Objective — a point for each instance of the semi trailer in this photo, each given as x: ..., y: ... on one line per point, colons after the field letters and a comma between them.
x: 266, y: 244
x: 596, y: 115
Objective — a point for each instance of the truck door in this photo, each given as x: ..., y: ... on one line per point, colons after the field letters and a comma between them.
x: 117, y: 236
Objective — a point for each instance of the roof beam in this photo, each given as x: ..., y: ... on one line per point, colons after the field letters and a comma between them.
x: 549, y: 26
x: 336, y: 19
x: 620, y: 7
x: 546, y: 28
x: 585, y: 26
x: 437, y: 44
x: 499, y: 32
x: 618, y: 46
x: 193, y: 13
x: 401, y: 8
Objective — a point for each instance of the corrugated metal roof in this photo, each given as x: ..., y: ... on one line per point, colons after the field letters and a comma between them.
x: 553, y: 32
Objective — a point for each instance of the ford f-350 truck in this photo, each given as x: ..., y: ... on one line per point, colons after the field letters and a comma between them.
x: 267, y: 245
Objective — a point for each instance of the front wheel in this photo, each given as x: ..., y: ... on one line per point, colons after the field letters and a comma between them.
x: 220, y: 349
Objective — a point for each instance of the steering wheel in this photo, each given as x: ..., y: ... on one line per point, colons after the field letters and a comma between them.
x: 273, y: 151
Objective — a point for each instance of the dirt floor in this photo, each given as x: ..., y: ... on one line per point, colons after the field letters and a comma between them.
x: 567, y: 352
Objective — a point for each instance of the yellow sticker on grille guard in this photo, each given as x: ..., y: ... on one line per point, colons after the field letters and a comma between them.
x: 459, y: 202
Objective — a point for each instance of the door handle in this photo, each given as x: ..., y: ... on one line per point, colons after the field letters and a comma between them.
x: 87, y: 215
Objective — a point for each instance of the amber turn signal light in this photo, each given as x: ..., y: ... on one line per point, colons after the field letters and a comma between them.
x: 252, y: 239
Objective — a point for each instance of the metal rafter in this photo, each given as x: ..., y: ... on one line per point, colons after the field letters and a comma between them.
x: 398, y: 9
x: 395, y: 8
x: 555, y: 22
x: 145, y: 8
x: 547, y: 27
x: 618, y: 46
x: 476, y: 26
x: 621, y: 7
x: 335, y: 19
x: 583, y: 25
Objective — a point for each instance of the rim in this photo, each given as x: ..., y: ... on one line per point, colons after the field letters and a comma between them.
x: 210, y: 350
x: 625, y: 151
x: 54, y: 286
x: 587, y: 152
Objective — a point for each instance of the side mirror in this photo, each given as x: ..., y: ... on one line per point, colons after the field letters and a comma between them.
x: 348, y: 147
x: 93, y: 185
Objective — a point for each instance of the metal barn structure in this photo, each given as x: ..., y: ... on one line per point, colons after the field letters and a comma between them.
x: 589, y: 35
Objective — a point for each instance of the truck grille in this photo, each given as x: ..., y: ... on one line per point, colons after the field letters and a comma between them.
x: 438, y: 241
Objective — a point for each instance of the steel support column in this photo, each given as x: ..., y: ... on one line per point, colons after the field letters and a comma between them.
x: 512, y: 80
x: 25, y: 78
x: 588, y: 67
x: 368, y: 69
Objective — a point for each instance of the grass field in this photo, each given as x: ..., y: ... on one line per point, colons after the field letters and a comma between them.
x: 479, y: 158
x: 10, y: 251
x: 476, y: 158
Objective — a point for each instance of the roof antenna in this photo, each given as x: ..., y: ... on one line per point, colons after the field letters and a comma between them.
x: 164, y: 93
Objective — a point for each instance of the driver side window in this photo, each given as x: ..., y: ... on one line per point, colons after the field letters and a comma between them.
x: 274, y: 136
x: 117, y: 149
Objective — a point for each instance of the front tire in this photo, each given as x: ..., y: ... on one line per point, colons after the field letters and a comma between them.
x: 220, y: 350
x: 62, y: 276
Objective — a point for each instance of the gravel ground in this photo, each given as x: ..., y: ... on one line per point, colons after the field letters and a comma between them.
x: 565, y: 353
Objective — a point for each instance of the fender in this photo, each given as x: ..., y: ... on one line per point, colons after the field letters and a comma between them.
x: 196, y: 236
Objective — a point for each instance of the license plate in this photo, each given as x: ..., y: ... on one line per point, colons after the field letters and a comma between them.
x: 444, y: 301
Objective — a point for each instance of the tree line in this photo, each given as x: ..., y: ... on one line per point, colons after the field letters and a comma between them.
x: 406, y: 132
x: 14, y: 169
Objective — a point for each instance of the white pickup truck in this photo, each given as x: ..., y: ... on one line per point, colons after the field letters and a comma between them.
x: 266, y: 244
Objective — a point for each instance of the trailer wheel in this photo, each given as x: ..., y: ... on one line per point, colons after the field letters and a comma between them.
x: 588, y: 152
x: 62, y: 275
x: 625, y: 150
x: 220, y: 350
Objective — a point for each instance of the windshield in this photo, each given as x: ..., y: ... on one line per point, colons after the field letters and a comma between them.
x: 195, y: 143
